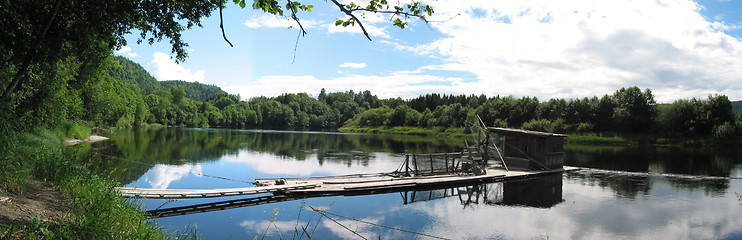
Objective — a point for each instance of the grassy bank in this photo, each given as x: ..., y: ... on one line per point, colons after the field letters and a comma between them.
x: 573, y: 138
x: 97, y: 211
x: 599, y: 139
x: 591, y: 138
x: 434, y: 132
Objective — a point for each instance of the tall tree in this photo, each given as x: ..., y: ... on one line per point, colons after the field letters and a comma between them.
x: 45, y: 31
x: 38, y: 37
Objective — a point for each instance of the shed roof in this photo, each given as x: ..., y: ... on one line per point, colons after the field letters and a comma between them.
x: 525, y: 132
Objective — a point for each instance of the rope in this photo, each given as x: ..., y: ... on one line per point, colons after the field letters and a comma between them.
x: 370, y: 223
x: 338, y: 223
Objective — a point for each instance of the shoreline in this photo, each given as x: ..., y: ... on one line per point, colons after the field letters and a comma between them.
x: 89, y: 139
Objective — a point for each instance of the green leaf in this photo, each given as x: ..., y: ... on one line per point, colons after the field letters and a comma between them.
x: 338, y: 22
x: 399, y: 23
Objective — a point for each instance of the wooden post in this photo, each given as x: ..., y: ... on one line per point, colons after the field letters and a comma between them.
x: 407, y: 165
x: 414, y: 161
x: 445, y: 156
x: 431, y: 163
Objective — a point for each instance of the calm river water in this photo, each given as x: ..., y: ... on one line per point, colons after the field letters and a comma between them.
x: 576, y: 205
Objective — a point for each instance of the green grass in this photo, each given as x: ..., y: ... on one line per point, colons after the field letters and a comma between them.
x: 417, y: 131
x: 72, y: 129
x: 573, y: 138
x: 593, y: 138
x: 152, y: 125
x: 98, y: 211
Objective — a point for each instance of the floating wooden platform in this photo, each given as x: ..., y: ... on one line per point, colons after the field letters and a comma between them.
x: 338, y: 184
x: 206, y: 193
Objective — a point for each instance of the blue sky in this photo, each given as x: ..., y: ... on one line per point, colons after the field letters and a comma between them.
x: 542, y: 48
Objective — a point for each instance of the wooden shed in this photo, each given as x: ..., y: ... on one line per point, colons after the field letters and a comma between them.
x: 527, y: 150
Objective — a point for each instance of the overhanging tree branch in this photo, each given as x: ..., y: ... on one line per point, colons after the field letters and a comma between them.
x: 291, y: 6
x: 355, y: 19
x: 221, y: 25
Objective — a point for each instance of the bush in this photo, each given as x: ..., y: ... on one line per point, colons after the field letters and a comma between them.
x: 584, y: 127
x: 72, y: 130
x: 724, y: 131
x: 537, y: 125
x: 543, y: 125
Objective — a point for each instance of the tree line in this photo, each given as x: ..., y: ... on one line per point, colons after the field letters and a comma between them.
x: 628, y: 110
x: 122, y: 94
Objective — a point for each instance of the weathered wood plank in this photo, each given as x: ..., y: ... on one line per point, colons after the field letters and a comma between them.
x: 201, y: 193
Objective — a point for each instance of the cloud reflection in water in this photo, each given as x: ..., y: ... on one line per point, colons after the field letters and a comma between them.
x: 161, y: 175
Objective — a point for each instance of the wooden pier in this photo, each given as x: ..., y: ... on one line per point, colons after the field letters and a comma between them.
x: 338, y: 184
x: 528, y: 153
x: 207, y: 193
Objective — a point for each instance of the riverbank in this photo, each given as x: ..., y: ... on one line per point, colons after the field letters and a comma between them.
x: 47, y: 192
x: 572, y: 138
x: 433, y: 132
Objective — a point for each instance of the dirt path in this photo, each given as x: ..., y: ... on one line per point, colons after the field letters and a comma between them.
x: 38, y: 199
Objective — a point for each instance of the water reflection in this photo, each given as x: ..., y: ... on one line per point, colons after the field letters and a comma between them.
x: 132, y: 153
x: 573, y: 206
x: 589, y: 212
x: 706, y: 161
x: 160, y: 176
x: 631, y: 186
x: 541, y: 192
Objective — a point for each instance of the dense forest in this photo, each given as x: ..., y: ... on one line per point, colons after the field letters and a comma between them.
x: 123, y: 94
x: 59, y: 79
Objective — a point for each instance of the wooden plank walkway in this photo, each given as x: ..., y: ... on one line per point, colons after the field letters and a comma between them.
x: 216, y: 206
x: 206, y: 193
x: 338, y: 184
x: 353, y: 183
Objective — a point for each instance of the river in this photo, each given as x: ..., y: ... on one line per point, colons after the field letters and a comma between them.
x: 575, y: 205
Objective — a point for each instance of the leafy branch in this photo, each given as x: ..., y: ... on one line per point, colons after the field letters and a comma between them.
x: 411, y: 10
x: 399, y: 13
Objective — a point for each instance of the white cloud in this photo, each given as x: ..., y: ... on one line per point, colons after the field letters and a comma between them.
x: 405, y: 84
x: 372, y: 30
x: 564, y: 49
x: 368, y: 231
x: 160, y: 176
x: 165, y: 68
x: 353, y: 65
x: 311, y: 166
x: 126, y: 51
x: 272, y: 21
x: 253, y: 227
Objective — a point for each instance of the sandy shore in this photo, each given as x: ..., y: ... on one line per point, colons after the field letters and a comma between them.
x: 89, y: 139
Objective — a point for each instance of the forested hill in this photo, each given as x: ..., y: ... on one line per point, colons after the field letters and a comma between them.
x: 737, y: 105
x: 127, y: 71
x: 193, y: 90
